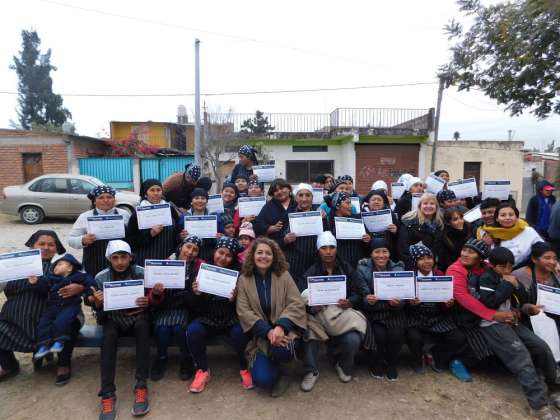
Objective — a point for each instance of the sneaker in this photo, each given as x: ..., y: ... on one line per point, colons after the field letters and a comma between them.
x: 201, y: 378
x: 459, y: 370
x: 544, y: 413
x: 186, y: 369
x: 420, y: 366
x: 280, y: 386
x: 377, y: 371
x: 392, y: 374
x: 159, y: 366
x: 42, y: 352
x: 246, y: 379
x: 108, y: 408
x: 141, y: 404
x: 63, y: 379
x: 309, y: 380
x: 341, y: 374
x: 57, y: 347
x: 438, y: 369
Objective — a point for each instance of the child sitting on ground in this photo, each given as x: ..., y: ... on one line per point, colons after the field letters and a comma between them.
x: 56, y: 321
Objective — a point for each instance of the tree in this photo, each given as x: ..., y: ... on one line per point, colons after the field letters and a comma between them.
x: 510, y: 52
x: 37, y: 104
x: 257, y: 125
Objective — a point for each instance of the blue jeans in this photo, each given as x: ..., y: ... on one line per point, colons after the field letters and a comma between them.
x: 163, y: 335
x: 265, y: 369
x: 197, y: 334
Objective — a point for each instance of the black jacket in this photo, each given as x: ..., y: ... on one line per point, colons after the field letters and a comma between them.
x: 451, y: 245
x: 270, y: 214
x: 410, y: 233
x: 404, y: 204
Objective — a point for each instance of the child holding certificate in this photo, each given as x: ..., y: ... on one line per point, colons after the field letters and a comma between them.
x: 387, y: 317
x: 216, y: 315
x: 159, y: 241
x: 118, y: 323
x: 350, y: 250
x: 171, y: 311
x: 433, y: 323
x: 55, y: 325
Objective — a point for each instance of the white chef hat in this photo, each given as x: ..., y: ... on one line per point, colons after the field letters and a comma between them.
x: 117, y: 246
x: 379, y: 185
x: 404, y: 177
x: 326, y: 239
x: 413, y: 180
x: 303, y: 186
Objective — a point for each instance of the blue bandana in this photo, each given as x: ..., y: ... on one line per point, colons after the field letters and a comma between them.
x: 229, y: 243
x: 101, y: 189
x: 193, y: 171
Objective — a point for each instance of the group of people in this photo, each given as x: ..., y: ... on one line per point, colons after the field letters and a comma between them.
x: 496, y: 262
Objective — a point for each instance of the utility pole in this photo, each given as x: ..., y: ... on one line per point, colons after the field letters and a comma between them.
x: 197, y: 144
x: 510, y: 135
x: 436, y: 128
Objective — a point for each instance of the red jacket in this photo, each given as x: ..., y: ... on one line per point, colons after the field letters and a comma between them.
x: 461, y: 292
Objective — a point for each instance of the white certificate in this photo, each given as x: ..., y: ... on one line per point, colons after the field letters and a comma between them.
x: 497, y: 189
x: 156, y: 214
x: 473, y: 215
x: 390, y: 285
x: 377, y: 221
x: 434, y: 288
x: 318, y: 195
x: 122, y: 294
x: 415, y: 200
x: 265, y: 173
x: 20, y: 265
x: 326, y: 290
x: 202, y: 226
x: 397, y: 190
x: 215, y: 204
x: 250, y: 206
x: 106, y: 227
x: 434, y: 184
x: 217, y: 280
x: 464, y: 188
x: 306, y: 223
x: 349, y: 228
x: 170, y: 273
x: 355, y: 205
x: 549, y: 297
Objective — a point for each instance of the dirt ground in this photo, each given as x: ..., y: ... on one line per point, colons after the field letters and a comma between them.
x: 32, y: 395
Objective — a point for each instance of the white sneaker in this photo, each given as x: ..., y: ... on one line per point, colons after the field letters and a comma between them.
x: 341, y: 374
x: 309, y: 381
x: 545, y: 413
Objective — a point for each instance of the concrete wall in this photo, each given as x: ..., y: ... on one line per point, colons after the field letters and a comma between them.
x: 343, y: 156
x: 499, y: 160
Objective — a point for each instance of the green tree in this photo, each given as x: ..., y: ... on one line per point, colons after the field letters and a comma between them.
x: 257, y: 125
x: 510, y: 52
x: 37, y: 104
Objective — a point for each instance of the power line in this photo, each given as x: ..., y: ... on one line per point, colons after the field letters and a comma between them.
x: 232, y: 37
x: 258, y: 92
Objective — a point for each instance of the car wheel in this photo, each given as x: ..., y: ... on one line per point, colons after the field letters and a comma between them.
x: 125, y: 208
x: 31, y: 215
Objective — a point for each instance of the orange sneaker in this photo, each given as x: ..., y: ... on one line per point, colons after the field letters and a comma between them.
x: 200, y: 380
x: 246, y: 379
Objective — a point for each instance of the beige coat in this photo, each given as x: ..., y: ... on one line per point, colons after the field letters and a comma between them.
x: 286, y: 303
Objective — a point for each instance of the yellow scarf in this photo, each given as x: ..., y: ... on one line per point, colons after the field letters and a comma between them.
x: 503, y: 234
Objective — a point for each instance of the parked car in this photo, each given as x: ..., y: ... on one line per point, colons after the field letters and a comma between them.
x: 53, y: 195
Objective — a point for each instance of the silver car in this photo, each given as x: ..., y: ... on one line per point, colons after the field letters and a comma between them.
x: 52, y: 195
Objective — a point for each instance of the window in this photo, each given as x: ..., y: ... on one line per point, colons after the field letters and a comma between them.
x: 79, y: 186
x: 310, y: 148
x: 306, y: 170
x: 50, y: 185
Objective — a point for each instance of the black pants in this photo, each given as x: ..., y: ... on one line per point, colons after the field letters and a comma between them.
x: 522, y: 351
x: 447, y: 345
x: 388, y: 343
x: 111, y: 333
x: 8, y: 361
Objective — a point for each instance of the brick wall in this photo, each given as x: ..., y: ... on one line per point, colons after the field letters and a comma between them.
x: 84, y: 149
x: 11, y: 161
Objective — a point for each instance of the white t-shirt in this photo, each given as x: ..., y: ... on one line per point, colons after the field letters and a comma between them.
x: 520, y: 246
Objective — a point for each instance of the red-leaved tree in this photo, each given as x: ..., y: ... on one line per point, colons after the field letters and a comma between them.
x: 131, y: 146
